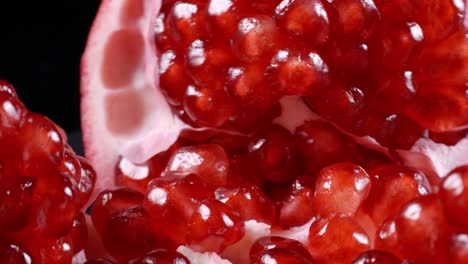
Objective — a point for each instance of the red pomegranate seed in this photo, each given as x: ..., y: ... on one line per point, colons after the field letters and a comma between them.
x: 16, y: 196
x: 243, y: 170
x: 209, y: 161
x: 392, y: 186
x: 336, y: 240
x: 6, y: 87
x: 393, y: 92
x: 223, y: 16
x: 340, y: 189
x: 274, y: 154
x: 387, y: 238
x: 172, y: 77
x: 248, y: 88
x: 283, y: 250
x: 248, y: 121
x: 299, y: 72
x: 12, y: 113
x: 208, y: 106
x: 353, y: 19
x: 54, y: 207
x: 376, y: 256
x: 205, y: 62
x: 306, y: 20
x: 48, y: 250
x: 171, y: 201
x: 459, y: 249
x: 111, y: 202
x: 423, y: 231
x: 79, y: 233
x: 213, y: 227
x: 265, y: 6
x: 299, y: 199
x: 163, y: 256
x: 84, y: 180
x: 249, y: 201
x: 185, y: 21
x: 449, y: 138
x: 454, y: 195
x: 347, y: 57
x: 126, y: 234
x: 14, y: 254
x: 256, y: 37
x: 321, y: 144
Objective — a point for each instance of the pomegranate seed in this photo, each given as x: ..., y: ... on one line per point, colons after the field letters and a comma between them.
x: 126, y: 235
x: 454, y: 195
x: 324, y: 246
x: 224, y: 15
x: 163, y: 256
x: 172, y: 77
x: 423, y: 232
x: 274, y: 153
x: 321, y: 144
x: 208, y: 106
x: 248, y: 121
x: 347, y: 57
x: 12, y: 112
x: 48, y: 250
x: 340, y: 189
x: 171, y: 202
x: 210, y: 162
x: 283, y: 250
x: 111, y: 202
x: 54, y: 207
x: 376, y: 256
x: 306, y: 20
x: 299, y: 199
x: 213, y: 227
x: 205, y: 62
x: 256, y: 37
x: 354, y: 19
x: 299, y: 72
x: 82, y: 177
x: 392, y: 186
x: 13, y: 253
x: 185, y: 21
x: 79, y: 233
x: 265, y: 6
x: 449, y: 138
x: 459, y: 249
x: 161, y: 36
x: 16, y: 196
x: 6, y: 87
x: 387, y: 238
x: 249, y: 201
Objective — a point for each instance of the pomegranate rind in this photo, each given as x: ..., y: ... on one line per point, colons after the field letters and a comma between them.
x: 158, y: 128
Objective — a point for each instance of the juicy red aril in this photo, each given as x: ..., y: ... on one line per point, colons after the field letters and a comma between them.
x: 275, y: 154
x: 81, y: 175
x: 209, y: 106
x: 185, y: 21
x: 14, y: 254
x: 454, y: 195
x: 213, y: 227
x: 110, y: 202
x: 54, y: 207
x: 336, y: 240
x: 423, y: 231
x: 376, y: 256
x: 210, y: 162
x: 298, y: 72
x: 340, y: 189
x: 126, y: 235
x: 306, y: 20
x: 256, y: 37
x: 282, y: 250
x: 16, y: 197
x: 6, y: 87
x: 172, y: 77
x: 392, y: 186
x: 162, y: 256
x: 320, y: 144
x: 249, y: 201
x: 51, y: 250
x: 12, y: 113
x: 171, y: 202
x: 459, y: 249
x: 387, y: 238
x: 79, y: 233
x: 298, y: 199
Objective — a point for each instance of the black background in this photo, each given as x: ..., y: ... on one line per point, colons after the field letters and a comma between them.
x: 41, y: 43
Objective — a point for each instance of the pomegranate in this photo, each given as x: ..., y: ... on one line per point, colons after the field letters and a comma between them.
x: 44, y: 187
x: 266, y: 131
x: 295, y: 131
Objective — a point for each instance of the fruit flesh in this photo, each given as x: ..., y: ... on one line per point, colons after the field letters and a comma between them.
x: 450, y: 158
